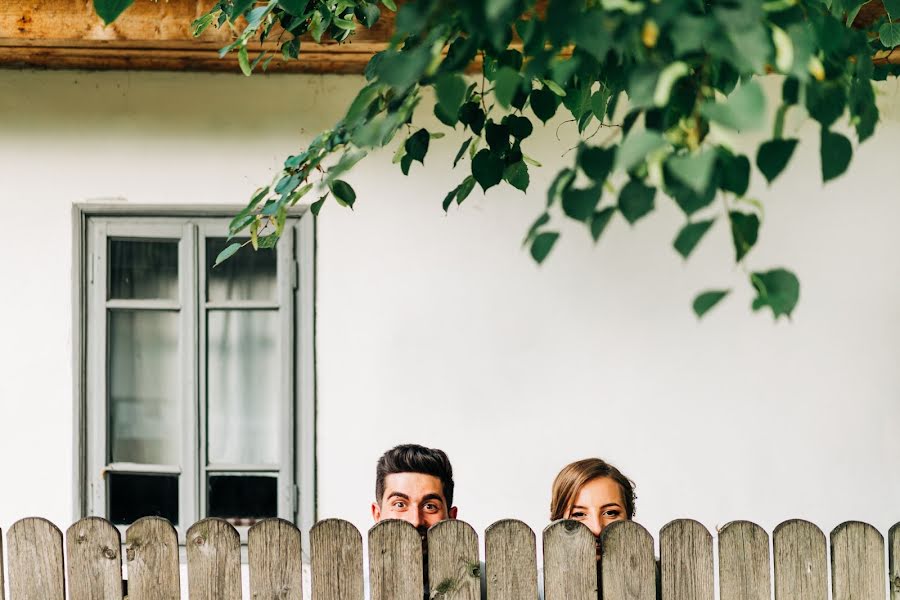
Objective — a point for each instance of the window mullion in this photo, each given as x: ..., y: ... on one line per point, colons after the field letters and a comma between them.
x: 97, y: 356
x: 189, y: 482
x: 287, y: 271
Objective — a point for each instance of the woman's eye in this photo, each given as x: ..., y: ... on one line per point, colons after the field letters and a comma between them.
x: 577, y: 515
x: 613, y: 513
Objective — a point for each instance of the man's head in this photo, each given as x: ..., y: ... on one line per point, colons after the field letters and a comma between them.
x: 415, y: 484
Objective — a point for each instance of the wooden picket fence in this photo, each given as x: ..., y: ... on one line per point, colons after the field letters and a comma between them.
x: 38, y: 562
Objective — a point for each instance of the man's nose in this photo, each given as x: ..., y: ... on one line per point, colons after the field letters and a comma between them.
x: 415, y: 517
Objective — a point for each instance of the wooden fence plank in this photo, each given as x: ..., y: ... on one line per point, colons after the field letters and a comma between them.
x: 35, y: 560
x: 628, y: 566
x: 510, y: 561
x: 570, y: 561
x: 454, y: 572
x: 214, y: 561
x: 395, y: 561
x: 800, y: 561
x: 336, y: 553
x: 273, y: 549
x: 94, y: 560
x: 151, y: 554
x: 893, y: 560
x: 744, y: 562
x: 2, y: 584
x: 686, y: 556
x: 857, y: 562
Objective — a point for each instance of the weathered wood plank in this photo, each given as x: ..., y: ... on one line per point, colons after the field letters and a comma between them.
x: 894, y: 561
x: 744, y: 562
x: 94, y: 560
x: 628, y: 567
x: 274, y: 553
x: 800, y: 561
x: 395, y: 561
x: 454, y: 572
x: 510, y: 561
x: 857, y: 562
x: 570, y: 561
x: 151, y: 555
x: 2, y: 583
x: 214, y: 561
x: 686, y: 557
x: 35, y: 560
x: 336, y: 554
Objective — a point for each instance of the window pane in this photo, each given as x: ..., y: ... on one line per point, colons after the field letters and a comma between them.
x: 144, y: 420
x: 132, y: 496
x: 241, y: 498
x: 143, y: 269
x: 243, y: 387
x: 247, y: 275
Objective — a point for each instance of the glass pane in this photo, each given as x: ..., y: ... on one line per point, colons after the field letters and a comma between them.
x: 132, y: 496
x: 143, y: 269
x: 144, y: 407
x: 243, y: 387
x: 247, y: 275
x: 241, y: 499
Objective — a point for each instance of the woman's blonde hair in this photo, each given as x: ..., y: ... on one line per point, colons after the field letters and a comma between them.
x: 574, y: 475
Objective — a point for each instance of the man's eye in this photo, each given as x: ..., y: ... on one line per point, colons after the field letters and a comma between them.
x: 399, y: 504
x: 431, y: 506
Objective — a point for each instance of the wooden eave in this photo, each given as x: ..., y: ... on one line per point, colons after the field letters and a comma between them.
x: 156, y: 35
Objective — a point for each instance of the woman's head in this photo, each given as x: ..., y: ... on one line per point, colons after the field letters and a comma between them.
x: 594, y: 492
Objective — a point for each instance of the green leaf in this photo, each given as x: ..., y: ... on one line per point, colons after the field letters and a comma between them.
x: 465, y: 188
x: 743, y: 110
x: 296, y: 8
x: 462, y: 150
x: 109, y: 10
x: 600, y: 220
x: 506, y: 83
x: 694, y: 170
x: 744, y: 232
x: 390, y: 5
x: 734, y: 172
x: 554, y: 87
x: 778, y: 289
x: 472, y: 116
x: 400, y: 70
x: 368, y: 14
x: 227, y: 253
x: 579, y: 203
x: 316, y: 206
x: 487, y: 168
x: 636, y: 200
x: 773, y: 156
x: 893, y: 8
x: 448, y: 199
x: 596, y: 162
x: 542, y: 245
x: 417, y: 145
x: 343, y: 193
x: 825, y: 101
x: 519, y: 127
x: 544, y: 103
x: 836, y: 152
x: 667, y: 79
x: 532, y: 231
x: 707, y: 300
x: 450, y: 90
x: 889, y: 34
x: 244, y: 61
x: 516, y: 175
x: 690, y: 235
x: 635, y: 148
x: 560, y: 183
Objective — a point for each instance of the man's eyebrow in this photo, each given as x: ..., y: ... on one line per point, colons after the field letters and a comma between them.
x: 433, y: 497
x: 397, y: 495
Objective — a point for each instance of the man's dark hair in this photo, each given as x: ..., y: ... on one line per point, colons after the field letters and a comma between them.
x: 413, y: 458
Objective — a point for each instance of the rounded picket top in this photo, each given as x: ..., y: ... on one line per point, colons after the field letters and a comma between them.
x: 686, y: 560
x: 274, y: 554
x: 336, y: 557
x: 570, y: 561
x: 744, y: 562
x: 510, y: 560
x: 214, y: 560
x: 151, y: 553
x: 94, y: 559
x: 800, y: 561
x: 35, y: 560
x: 395, y: 561
x: 857, y: 561
x: 454, y: 570
x: 894, y: 560
x: 628, y: 564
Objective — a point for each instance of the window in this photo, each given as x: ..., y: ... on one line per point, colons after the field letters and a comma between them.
x: 197, y: 392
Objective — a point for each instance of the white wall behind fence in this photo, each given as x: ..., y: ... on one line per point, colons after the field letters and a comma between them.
x: 441, y: 330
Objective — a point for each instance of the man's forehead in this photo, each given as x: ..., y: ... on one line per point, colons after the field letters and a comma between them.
x: 413, y: 485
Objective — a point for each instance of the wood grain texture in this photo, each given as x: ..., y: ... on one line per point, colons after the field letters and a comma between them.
x: 93, y: 549
x: 686, y: 556
x: 151, y: 555
x: 744, y: 562
x: 800, y: 561
x: 2, y: 583
x: 336, y: 554
x: 570, y: 561
x: 857, y: 562
x: 274, y: 553
x: 510, y: 561
x: 395, y: 561
x: 894, y: 561
x: 454, y: 571
x: 35, y: 560
x: 628, y: 565
x: 214, y: 561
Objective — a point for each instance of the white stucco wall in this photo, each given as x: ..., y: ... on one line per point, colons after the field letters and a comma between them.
x: 441, y: 330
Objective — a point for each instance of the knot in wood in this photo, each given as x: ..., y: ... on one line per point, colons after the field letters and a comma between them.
x: 109, y: 553
x: 199, y: 540
x: 896, y: 583
x: 129, y: 554
x: 81, y: 538
x: 570, y: 525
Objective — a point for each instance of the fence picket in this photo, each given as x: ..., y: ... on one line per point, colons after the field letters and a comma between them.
x: 570, y: 562
x: 35, y: 560
x: 800, y: 567
x: 274, y: 553
x: 744, y: 562
x: 395, y: 561
x: 336, y: 553
x: 151, y: 554
x: 2, y: 584
x: 686, y: 557
x: 510, y: 561
x: 94, y: 560
x: 857, y: 562
x: 893, y: 560
x: 628, y: 565
x: 214, y: 561
x: 454, y: 572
